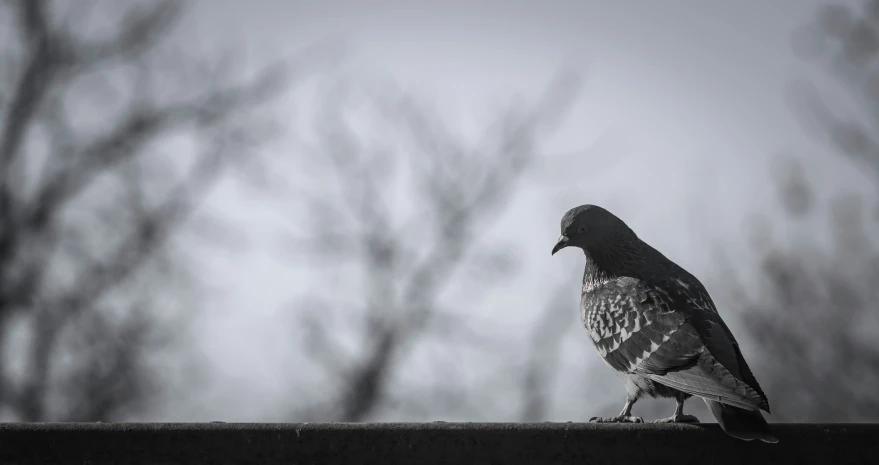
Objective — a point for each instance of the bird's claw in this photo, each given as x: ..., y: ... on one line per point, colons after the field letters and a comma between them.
x: 678, y: 419
x: 617, y: 419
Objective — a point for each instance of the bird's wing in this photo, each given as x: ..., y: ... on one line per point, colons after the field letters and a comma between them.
x: 720, y: 344
x: 634, y: 332
x: 643, y: 329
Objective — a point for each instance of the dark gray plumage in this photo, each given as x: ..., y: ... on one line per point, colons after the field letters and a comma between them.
x: 655, y: 323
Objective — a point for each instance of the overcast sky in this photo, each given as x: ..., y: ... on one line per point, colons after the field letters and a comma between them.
x: 682, y: 109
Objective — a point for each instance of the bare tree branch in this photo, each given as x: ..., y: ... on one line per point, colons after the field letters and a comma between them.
x: 85, y: 297
x: 408, y: 260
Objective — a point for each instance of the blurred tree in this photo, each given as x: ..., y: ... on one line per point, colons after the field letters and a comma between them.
x: 400, y: 200
x: 816, y: 317
x: 109, y: 137
x: 543, y: 361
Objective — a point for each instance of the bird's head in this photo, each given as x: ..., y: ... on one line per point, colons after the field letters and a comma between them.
x: 591, y: 227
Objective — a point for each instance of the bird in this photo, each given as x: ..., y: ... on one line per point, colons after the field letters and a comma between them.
x: 656, y: 325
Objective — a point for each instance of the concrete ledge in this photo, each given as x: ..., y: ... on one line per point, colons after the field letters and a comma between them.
x: 426, y: 443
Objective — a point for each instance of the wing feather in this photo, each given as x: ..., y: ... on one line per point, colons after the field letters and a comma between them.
x: 673, y: 335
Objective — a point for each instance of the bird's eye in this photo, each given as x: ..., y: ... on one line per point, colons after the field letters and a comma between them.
x: 582, y: 229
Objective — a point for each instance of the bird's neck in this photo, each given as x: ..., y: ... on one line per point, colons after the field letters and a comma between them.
x: 607, y: 263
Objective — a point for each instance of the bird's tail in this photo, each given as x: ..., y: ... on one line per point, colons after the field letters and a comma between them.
x: 740, y: 423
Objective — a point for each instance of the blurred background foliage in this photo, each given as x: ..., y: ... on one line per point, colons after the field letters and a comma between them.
x: 815, y: 315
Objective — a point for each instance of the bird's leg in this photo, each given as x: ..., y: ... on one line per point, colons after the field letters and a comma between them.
x: 679, y: 416
x: 624, y: 417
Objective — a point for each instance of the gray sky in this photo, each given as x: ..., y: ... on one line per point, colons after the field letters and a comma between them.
x: 683, y: 108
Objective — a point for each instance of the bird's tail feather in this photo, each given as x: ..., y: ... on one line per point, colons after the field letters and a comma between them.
x: 741, y: 423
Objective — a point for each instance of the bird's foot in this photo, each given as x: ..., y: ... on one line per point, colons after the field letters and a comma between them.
x: 617, y: 419
x: 678, y: 419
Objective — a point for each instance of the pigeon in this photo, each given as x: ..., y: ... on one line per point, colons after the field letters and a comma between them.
x: 655, y: 324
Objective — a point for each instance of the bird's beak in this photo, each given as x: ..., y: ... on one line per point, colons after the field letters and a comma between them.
x: 561, y: 244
